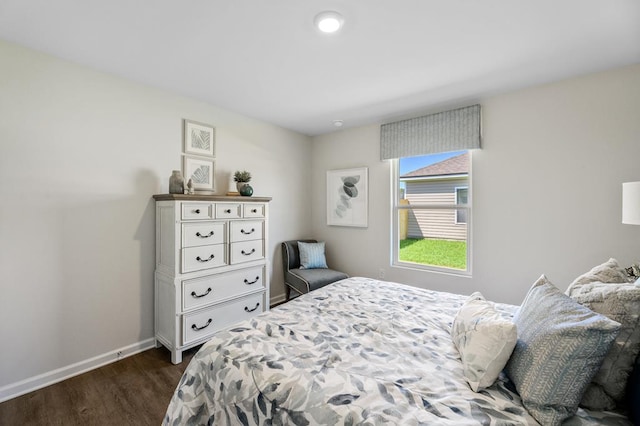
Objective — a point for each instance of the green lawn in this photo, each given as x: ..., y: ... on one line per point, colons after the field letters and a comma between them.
x: 428, y: 251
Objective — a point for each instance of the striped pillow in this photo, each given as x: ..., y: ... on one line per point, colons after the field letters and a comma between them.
x: 561, y: 345
x: 312, y: 255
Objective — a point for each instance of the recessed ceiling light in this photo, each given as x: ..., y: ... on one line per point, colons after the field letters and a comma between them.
x: 338, y: 123
x: 329, y: 21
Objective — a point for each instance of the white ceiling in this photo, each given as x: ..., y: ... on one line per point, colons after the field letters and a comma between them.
x: 393, y: 58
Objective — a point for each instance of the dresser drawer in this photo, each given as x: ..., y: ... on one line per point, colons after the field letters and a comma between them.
x: 247, y: 251
x: 203, y: 257
x: 202, y: 324
x: 253, y: 210
x: 191, y: 211
x: 228, y: 210
x: 203, y: 233
x: 216, y: 288
x: 245, y: 230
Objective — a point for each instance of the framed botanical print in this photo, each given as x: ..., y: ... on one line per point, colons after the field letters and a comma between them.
x: 199, y: 138
x: 200, y: 171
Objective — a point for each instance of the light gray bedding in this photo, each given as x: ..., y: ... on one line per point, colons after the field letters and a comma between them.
x: 359, y: 351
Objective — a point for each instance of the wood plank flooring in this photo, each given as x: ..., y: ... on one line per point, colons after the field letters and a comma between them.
x: 133, y: 391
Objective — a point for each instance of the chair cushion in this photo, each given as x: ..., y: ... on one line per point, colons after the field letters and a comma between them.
x: 305, y: 280
x: 312, y: 255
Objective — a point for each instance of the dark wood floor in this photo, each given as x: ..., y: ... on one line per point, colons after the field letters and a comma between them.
x: 133, y: 391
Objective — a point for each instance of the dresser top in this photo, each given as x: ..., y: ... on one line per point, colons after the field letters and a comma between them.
x: 209, y: 197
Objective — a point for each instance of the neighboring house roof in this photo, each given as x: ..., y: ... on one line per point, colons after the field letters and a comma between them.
x: 458, y: 165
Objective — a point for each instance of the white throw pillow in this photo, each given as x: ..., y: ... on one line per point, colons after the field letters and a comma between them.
x: 484, y: 339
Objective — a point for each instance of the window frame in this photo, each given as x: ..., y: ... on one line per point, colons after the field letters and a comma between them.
x: 396, y: 207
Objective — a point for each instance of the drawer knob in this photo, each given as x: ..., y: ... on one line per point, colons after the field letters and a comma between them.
x: 248, y: 232
x: 194, y: 294
x: 254, y: 210
x: 199, y: 259
x: 246, y: 309
x: 228, y: 211
x: 210, y: 234
x: 197, y: 211
x: 248, y: 254
x: 247, y: 282
x: 196, y: 328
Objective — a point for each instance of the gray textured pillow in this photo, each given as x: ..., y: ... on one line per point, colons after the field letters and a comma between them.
x: 560, y: 347
x: 619, y: 302
x: 608, y: 272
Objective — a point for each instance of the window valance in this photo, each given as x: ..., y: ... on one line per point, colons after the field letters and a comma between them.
x: 453, y: 130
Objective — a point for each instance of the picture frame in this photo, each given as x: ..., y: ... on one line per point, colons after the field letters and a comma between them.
x: 347, y: 197
x: 199, y: 138
x: 201, y: 171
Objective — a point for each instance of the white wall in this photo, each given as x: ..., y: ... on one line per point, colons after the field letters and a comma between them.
x: 81, y: 154
x: 546, y: 187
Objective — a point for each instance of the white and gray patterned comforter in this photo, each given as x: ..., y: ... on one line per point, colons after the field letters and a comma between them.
x: 356, y: 352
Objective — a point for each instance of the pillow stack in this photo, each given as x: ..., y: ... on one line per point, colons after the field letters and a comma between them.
x: 562, y: 350
x: 561, y: 345
x: 605, y: 289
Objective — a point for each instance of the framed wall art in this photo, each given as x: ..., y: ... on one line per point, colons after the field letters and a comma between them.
x: 199, y: 138
x: 200, y: 171
x: 347, y: 197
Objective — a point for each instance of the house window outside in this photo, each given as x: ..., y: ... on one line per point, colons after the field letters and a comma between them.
x: 432, y: 212
x: 462, y: 197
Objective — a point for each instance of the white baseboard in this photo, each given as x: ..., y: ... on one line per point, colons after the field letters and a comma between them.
x: 37, y: 382
x: 281, y: 298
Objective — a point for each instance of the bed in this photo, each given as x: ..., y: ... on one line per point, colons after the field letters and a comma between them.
x: 358, y: 351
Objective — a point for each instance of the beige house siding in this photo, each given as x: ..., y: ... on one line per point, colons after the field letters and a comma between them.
x: 434, y: 223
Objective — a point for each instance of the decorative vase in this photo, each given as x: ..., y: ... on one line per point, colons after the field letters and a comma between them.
x: 176, y: 183
x: 246, y: 190
x: 239, y: 185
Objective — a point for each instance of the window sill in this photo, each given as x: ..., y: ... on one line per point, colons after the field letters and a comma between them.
x: 432, y: 269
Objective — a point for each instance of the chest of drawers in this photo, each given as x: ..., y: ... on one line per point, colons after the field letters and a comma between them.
x: 211, y: 266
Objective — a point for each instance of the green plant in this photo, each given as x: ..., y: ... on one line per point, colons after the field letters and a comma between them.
x: 242, y: 176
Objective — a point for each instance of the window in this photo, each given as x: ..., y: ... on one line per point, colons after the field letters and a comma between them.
x: 431, y: 219
x: 462, y: 197
x: 432, y: 212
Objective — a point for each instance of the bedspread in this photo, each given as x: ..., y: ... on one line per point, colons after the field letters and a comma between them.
x: 359, y: 351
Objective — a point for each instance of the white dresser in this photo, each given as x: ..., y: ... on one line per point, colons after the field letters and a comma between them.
x: 211, y: 266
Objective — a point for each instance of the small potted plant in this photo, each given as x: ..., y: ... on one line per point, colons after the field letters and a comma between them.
x: 242, y: 179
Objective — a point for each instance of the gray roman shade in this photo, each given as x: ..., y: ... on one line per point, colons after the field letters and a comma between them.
x: 453, y: 130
